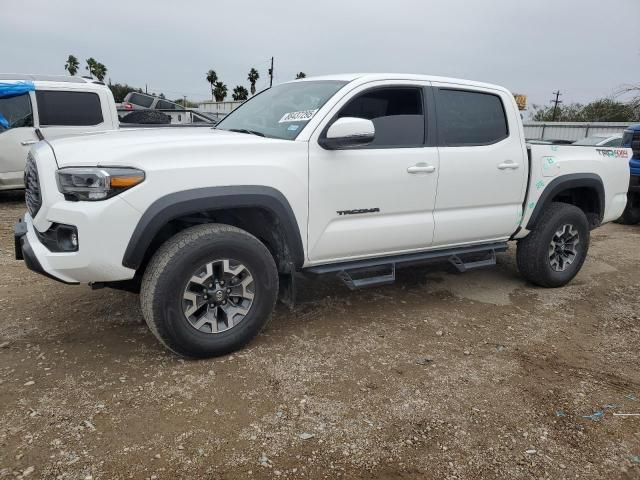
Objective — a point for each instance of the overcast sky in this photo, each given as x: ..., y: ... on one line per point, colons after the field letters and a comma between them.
x: 585, y: 48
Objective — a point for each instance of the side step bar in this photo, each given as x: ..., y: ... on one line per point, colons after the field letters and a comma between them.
x: 382, y: 271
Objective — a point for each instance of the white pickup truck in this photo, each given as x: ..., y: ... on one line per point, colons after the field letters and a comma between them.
x: 354, y: 175
x: 60, y: 106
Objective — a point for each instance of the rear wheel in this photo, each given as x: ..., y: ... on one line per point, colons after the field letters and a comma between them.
x: 553, y: 253
x: 209, y: 290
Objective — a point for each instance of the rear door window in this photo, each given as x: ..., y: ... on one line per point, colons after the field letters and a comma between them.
x: 59, y: 108
x: 470, y: 118
x: 15, y: 112
x: 141, y: 100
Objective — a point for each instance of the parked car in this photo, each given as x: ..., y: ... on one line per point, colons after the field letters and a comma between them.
x: 55, y: 107
x: 631, y: 139
x: 613, y: 140
x: 137, y: 100
x: 332, y: 175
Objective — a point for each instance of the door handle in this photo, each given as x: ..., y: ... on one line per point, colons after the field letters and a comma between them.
x: 508, y: 164
x: 421, y: 168
x: 28, y: 142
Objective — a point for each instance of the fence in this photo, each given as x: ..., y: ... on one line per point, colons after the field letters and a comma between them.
x: 571, y: 130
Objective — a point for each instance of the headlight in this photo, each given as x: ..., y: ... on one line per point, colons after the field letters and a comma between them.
x: 81, y: 183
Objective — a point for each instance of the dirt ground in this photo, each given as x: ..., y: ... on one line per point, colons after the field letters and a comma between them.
x: 439, y: 376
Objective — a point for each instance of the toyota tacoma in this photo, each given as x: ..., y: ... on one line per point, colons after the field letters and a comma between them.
x: 352, y: 175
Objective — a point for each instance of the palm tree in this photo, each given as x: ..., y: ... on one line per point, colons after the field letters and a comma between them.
x: 212, y: 77
x: 240, y: 93
x: 300, y: 75
x: 253, y: 78
x: 219, y: 91
x: 91, y: 65
x: 72, y: 65
x: 100, y: 71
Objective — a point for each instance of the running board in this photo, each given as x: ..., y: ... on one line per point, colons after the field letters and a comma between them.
x: 355, y: 279
x: 463, y: 266
x: 382, y: 271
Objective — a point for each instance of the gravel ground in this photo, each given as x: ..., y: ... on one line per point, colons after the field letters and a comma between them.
x: 439, y: 376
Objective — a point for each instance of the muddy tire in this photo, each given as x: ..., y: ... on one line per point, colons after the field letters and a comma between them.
x: 553, y: 253
x: 209, y: 290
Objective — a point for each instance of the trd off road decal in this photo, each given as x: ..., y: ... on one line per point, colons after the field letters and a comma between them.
x: 301, y: 116
x: 613, y: 153
x: 357, y: 211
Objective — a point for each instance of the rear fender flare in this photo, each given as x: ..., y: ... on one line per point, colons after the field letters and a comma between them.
x: 567, y: 182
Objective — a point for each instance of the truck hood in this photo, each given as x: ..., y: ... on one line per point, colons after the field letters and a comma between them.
x: 138, y: 146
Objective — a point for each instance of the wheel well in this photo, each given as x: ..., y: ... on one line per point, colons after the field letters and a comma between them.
x: 261, y: 223
x: 586, y: 199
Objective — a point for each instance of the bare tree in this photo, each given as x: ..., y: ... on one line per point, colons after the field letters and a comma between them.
x: 633, y: 91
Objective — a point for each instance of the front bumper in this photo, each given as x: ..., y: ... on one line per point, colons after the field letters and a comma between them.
x: 25, y: 251
x: 99, y: 256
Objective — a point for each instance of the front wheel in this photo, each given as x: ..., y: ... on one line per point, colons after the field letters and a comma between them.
x: 553, y: 253
x: 209, y: 290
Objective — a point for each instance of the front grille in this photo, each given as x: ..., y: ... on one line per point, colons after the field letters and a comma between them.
x: 32, y: 187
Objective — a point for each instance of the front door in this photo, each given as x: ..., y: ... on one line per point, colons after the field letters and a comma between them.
x: 17, y: 134
x: 377, y: 199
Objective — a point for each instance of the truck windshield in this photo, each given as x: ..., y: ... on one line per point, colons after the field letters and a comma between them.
x: 282, y: 111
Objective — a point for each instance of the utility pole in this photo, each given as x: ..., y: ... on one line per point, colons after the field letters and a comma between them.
x: 271, y: 74
x: 555, y: 102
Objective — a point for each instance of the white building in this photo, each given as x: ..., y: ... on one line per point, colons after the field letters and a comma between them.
x: 219, y: 108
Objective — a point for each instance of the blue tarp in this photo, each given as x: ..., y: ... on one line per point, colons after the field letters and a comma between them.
x: 16, y: 88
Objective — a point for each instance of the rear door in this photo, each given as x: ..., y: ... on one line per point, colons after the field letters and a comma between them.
x: 483, y: 165
x: 64, y: 113
x: 17, y: 134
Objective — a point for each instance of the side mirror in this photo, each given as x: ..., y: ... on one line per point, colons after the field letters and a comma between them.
x: 348, y: 132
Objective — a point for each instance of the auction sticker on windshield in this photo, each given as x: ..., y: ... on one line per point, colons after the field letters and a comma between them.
x: 301, y: 116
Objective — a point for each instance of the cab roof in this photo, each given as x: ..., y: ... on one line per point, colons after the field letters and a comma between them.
x: 370, y: 77
x: 52, y: 80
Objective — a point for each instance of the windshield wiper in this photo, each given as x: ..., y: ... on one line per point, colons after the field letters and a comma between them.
x: 244, y: 130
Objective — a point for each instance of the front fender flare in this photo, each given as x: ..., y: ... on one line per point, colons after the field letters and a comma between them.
x: 189, y: 202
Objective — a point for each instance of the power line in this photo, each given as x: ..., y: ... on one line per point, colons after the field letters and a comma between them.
x: 555, y: 102
x: 271, y: 74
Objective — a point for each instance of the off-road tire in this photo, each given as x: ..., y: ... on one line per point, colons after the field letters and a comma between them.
x: 533, y: 251
x: 174, y: 263
x: 631, y: 214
